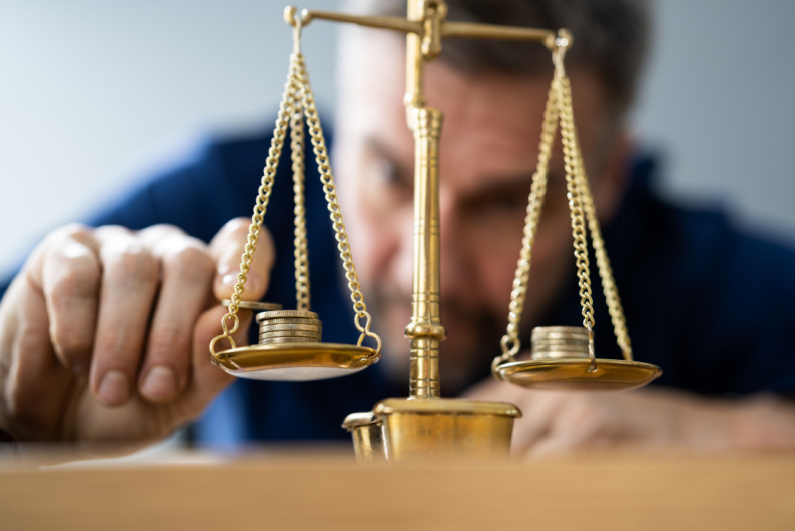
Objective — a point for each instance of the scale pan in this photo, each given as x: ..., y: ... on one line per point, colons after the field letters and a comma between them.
x: 571, y: 374
x: 296, y: 361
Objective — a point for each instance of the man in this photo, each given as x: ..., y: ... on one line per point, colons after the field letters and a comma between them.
x: 104, y: 333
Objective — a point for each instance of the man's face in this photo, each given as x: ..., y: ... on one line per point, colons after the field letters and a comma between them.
x: 489, y: 148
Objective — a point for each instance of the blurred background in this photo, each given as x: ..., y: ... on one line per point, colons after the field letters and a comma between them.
x: 93, y: 92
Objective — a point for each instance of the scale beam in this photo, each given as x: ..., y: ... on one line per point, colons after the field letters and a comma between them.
x: 449, y: 30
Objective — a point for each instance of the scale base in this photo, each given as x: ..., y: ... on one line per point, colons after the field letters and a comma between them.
x: 410, y: 429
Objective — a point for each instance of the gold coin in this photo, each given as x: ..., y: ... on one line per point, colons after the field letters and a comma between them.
x: 555, y: 342
x: 253, y: 305
x: 558, y: 354
x: 285, y: 327
x: 313, y: 336
x: 291, y: 339
x: 560, y: 344
x: 541, y: 333
x: 274, y: 340
x: 276, y: 314
x: 290, y: 320
x: 293, y: 322
x: 289, y: 333
x: 549, y: 349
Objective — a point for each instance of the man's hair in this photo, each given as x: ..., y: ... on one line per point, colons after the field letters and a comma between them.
x: 611, y: 38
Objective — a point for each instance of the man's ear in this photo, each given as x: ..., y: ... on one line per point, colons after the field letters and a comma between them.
x: 609, y: 187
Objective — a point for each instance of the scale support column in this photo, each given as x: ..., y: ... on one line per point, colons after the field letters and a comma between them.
x: 425, y: 330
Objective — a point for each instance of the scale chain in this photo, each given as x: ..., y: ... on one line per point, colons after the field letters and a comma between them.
x: 300, y: 251
x: 573, y: 163
x: 283, y: 119
x: 579, y: 232
x: 330, y: 190
x: 510, y: 342
x: 603, y: 262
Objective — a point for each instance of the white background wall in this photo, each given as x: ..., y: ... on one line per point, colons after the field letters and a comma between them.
x: 88, y: 87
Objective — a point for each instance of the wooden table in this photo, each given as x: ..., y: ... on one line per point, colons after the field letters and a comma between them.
x: 321, y: 490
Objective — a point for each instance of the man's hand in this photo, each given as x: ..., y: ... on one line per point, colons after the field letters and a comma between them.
x: 558, y: 422
x: 104, y: 334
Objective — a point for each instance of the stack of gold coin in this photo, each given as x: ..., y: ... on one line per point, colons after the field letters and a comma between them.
x: 551, y: 342
x: 289, y: 326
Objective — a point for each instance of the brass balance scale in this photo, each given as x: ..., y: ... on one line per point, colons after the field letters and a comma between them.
x: 425, y: 425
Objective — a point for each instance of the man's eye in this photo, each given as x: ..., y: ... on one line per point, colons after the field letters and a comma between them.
x: 516, y: 201
x: 499, y: 207
x: 384, y: 171
x: 387, y: 185
x: 509, y: 202
x: 387, y: 173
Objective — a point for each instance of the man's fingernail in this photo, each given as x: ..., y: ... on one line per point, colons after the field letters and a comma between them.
x: 160, y: 383
x: 254, y: 283
x: 114, y: 389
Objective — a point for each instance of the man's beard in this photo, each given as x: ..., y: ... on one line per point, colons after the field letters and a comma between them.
x: 473, y: 338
